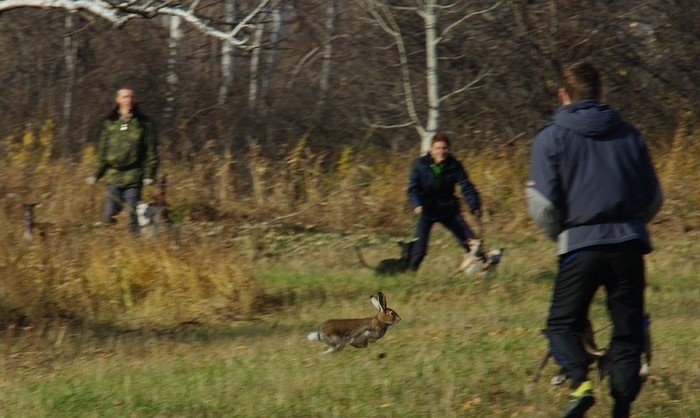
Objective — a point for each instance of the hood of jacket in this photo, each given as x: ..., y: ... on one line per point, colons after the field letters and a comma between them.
x: 588, y: 117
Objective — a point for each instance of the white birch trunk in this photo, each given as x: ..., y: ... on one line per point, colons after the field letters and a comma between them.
x: 254, y: 76
x: 227, y: 56
x: 172, y: 79
x: 431, y: 75
x: 122, y: 12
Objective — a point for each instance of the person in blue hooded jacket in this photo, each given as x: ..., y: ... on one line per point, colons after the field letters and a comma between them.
x: 431, y: 193
x: 592, y: 188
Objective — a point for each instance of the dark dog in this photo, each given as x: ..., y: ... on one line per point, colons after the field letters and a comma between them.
x: 391, y: 266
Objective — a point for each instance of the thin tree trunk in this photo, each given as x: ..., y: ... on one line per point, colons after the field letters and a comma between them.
x: 271, y: 54
x: 69, y: 52
x: 228, y: 60
x: 253, y: 85
x: 327, y: 52
x: 227, y: 56
x: 172, y: 79
x: 254, y: 68
x: 431, y: 75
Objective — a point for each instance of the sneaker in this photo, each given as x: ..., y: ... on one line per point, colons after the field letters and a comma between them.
x: 580, y: 400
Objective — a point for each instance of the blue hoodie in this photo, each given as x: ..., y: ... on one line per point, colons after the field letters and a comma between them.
x: 591, y: 181
x: 436, y: 193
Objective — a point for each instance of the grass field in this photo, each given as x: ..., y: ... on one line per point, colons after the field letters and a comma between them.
x: 464, y: 348
x: 95, y: 324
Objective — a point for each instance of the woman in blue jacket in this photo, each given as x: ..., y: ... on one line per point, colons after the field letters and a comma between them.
x: 431, y: 193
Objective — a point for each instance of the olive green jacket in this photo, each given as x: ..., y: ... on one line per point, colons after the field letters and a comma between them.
x: 127, y: 153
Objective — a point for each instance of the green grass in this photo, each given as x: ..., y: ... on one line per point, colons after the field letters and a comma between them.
x: 464, y: 348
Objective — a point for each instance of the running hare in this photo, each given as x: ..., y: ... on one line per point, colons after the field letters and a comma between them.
x: 337, y: 333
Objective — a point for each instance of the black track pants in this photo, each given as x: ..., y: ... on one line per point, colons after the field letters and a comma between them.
x: 454, y: 224
x: 620, y: 269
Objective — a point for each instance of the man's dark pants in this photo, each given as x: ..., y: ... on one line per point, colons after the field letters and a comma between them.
x: 620, y: 269
x: 116, y: 198
x: 454, y: 224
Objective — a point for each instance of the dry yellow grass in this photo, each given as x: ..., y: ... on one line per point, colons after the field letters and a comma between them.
x: 97, y: 275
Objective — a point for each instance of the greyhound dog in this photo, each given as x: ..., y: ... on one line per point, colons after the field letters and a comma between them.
x: 601, y: 356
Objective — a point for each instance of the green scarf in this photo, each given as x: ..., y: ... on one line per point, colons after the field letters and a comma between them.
x: 437, y: 171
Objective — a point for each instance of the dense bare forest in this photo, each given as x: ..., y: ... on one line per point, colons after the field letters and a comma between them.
x: 361, y: 73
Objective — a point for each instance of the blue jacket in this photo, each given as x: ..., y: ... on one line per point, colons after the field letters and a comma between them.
x: 438, y: 198
x: 591, y: 181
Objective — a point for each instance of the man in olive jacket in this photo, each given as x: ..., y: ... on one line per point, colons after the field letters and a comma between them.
x: 127, y: 158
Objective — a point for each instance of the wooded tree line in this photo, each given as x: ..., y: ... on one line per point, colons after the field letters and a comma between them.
x: 366, y: 73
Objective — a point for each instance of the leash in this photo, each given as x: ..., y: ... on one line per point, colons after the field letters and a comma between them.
x: 602, y: 329
x: 480, y: 226
x: 119, y: 201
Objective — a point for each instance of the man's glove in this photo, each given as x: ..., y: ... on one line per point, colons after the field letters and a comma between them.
x: 477, y: 213
x: 147, y: 182
x: 91, y: 180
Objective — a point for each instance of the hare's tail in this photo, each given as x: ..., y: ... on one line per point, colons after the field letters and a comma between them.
x: 314, y: 336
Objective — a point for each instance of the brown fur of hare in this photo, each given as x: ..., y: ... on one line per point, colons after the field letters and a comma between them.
x: 337, y: 333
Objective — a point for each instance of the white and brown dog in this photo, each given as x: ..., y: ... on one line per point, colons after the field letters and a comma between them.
x: 477, y: 262
x: 154, y: 217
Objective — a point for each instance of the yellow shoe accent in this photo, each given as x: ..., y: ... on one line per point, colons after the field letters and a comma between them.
x: 586, y: 387
x: 580, y: 401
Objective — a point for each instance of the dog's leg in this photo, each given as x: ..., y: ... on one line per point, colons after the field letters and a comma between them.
x: 540, y: 366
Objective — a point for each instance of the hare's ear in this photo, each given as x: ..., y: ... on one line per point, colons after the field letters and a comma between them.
x: 382, y: 300
x: 377, y: 302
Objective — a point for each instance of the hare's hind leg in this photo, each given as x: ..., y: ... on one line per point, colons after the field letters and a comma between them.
x: 334, y: 342
x: 334, y: 348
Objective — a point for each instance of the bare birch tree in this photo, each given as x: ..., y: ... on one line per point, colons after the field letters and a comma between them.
x: 430, y: 12
x: 172, y: 78
x: 120, y: 13
x: 227, y: 55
